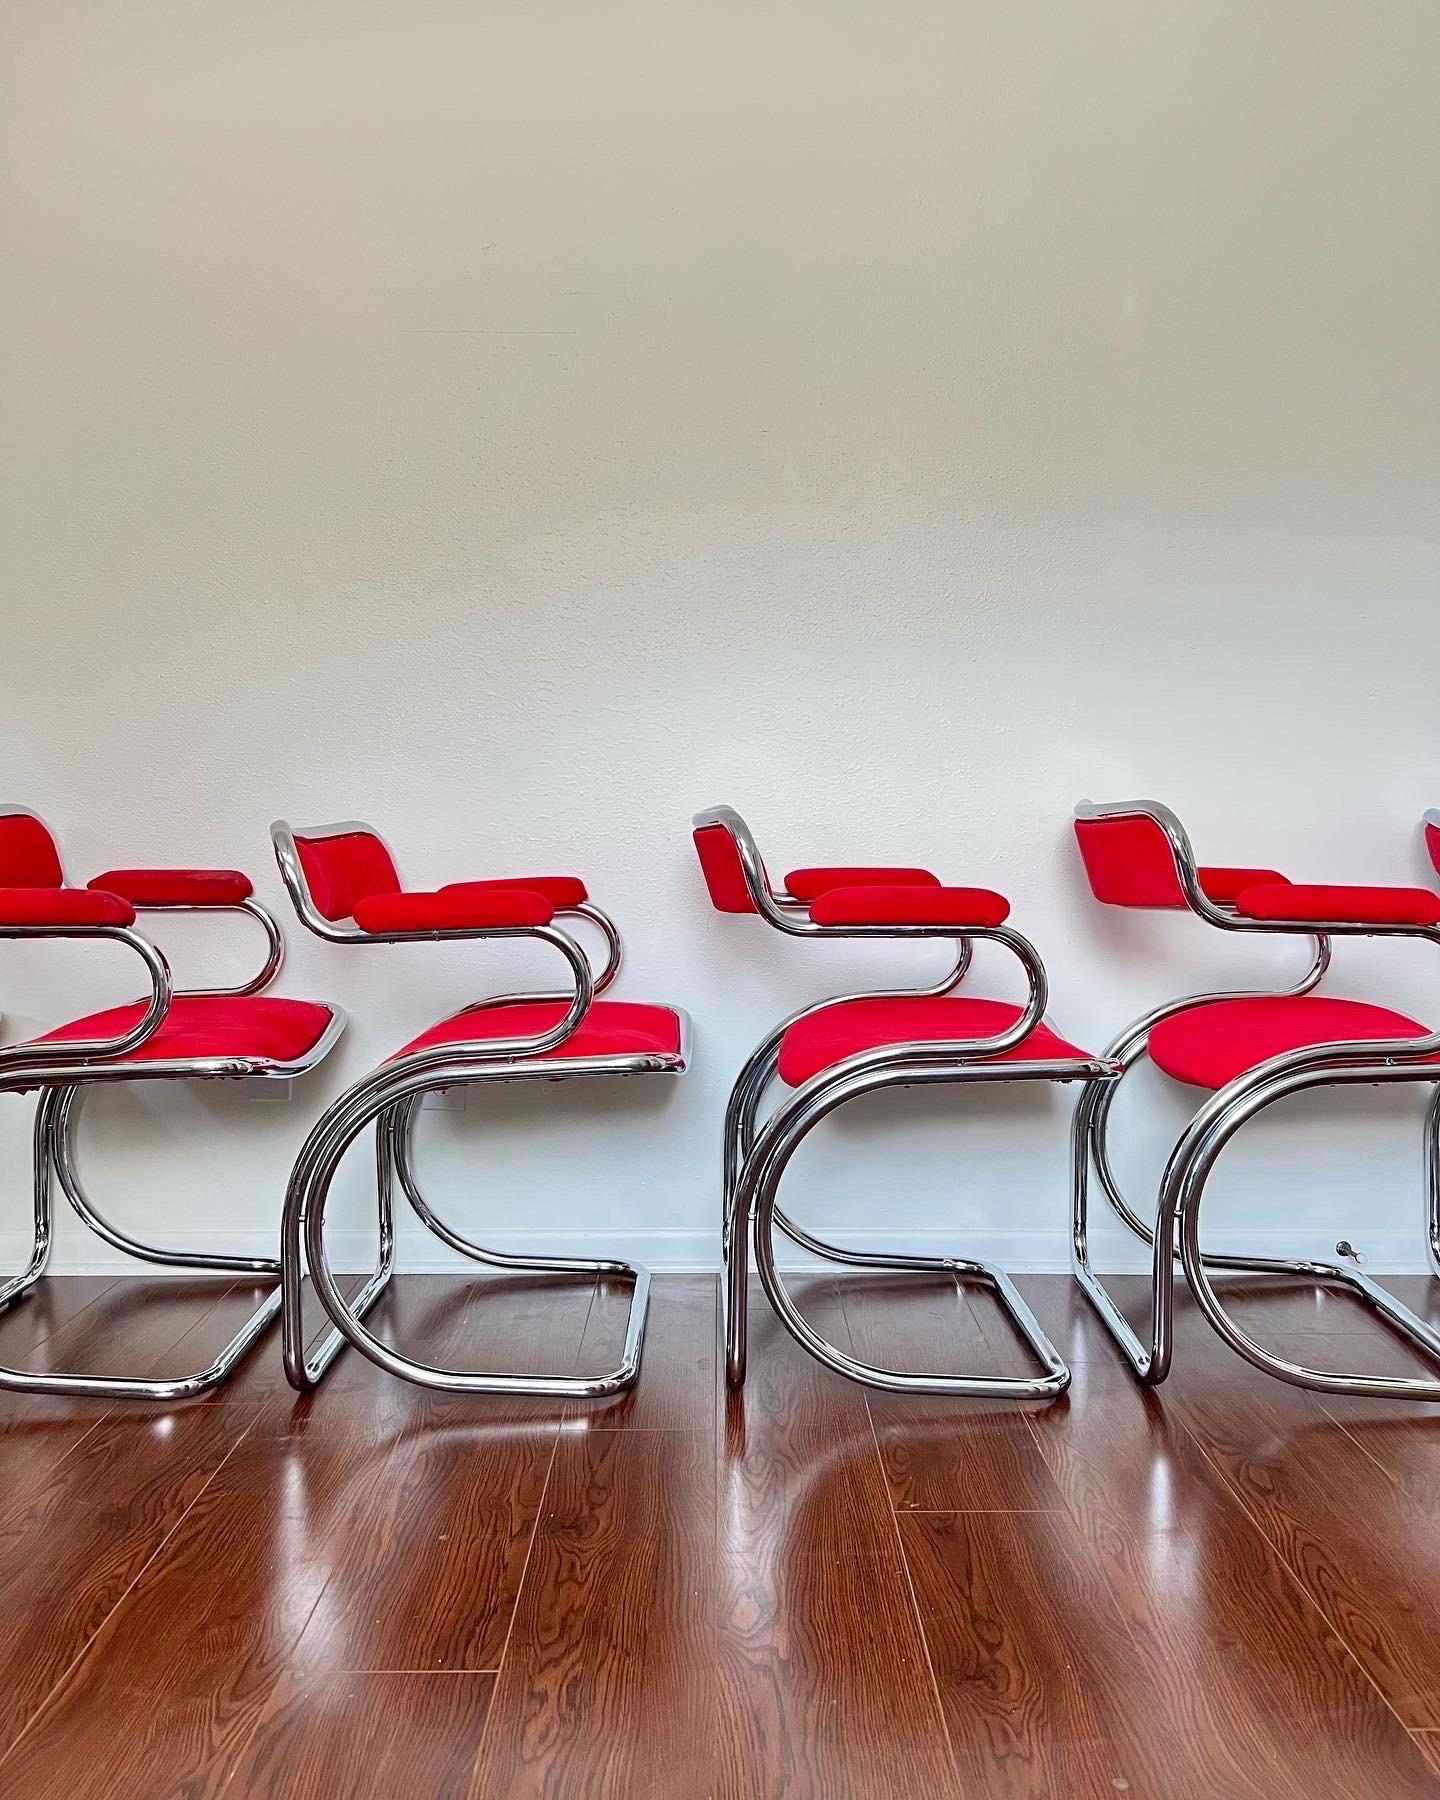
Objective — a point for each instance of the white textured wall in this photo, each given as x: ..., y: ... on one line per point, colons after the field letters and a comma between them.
x: 523, y: 424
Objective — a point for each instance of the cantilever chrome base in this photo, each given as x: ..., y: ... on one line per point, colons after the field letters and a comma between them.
x: 1054, y: 1381
x: 754, y: 1165
x: 1176, y: 1236
x: 391, y: 1101
x: 57, y: 1115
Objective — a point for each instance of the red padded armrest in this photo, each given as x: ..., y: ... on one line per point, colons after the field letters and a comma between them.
x: 63, y: 906
x: 1344, y: 905
x: 810, y: 884
x: 961, y: 906
x: 176, y: 887
x: 452, y: 909
x: 1225, y: 886
x: 559, y: 890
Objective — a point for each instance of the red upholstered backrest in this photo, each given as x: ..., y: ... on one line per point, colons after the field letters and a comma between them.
x: 345, y: 869
x: 1128, y: 861
x: 723, y: 871
x: 1432, y: 842
x: 28, y: 857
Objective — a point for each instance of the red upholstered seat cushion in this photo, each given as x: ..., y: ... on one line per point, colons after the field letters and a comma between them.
x: 849, y: 1026
x: 977, y: 907
x: 251, y: 1025
x: 559, y: 890
x: 63, y: 906
x: 1353, y: 905
x: 809, y: 884
x: 176, y: 887
x: 1210, y: 1045
x: 453, y: 909
x: 610, y: 1028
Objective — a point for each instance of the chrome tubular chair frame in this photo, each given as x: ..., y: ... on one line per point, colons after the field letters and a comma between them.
x: 63, y: 1071
x: 1175, y: 1237
x: 389, y: 1098
x: 755, y: 1158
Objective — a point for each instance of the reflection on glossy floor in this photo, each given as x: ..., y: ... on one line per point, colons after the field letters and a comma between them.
x: 1228, y: 1590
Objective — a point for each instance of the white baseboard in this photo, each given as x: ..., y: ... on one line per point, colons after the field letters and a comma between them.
x: 688, y: 1251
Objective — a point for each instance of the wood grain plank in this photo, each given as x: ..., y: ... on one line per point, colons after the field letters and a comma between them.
x: 180, y: 1672
x: 1043, y: 1687
x: 492, y: 1323
x: 942, y: 1453
x: 70, y: 1556
x: 52, y: 1303
x: 428, y: 1555
x: 678, y: 1373
x: 1201, y: 1589
x: 724, y: 1609
x: 824, y: 1687
x: 607, y: 1685
x: 324, y: 1736
x: 1357, y: 1541
x: 798, y: 1462
x: 427, y: 1559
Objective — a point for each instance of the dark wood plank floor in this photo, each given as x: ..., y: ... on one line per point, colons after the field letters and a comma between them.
x: 1228, y: 1588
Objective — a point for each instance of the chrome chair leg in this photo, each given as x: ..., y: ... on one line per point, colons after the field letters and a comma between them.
x: 65, y: 1120
x: 756, y: 1194
x: 1178, y: 1231
x: 1151, y: 1362
x: 735, y: 1230
x: 402, y: 1148
x: 42, y: 1204
x: 304, y: 1370
x: 390, y: 1102
x: 1184, y: 1186
x: 56, y: 1119
x: 1432, y: 1180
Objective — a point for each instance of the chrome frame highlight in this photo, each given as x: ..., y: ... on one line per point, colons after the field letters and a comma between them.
x: 755, y: 1157
x: 1175, y: 1237
x: 389, y: 1098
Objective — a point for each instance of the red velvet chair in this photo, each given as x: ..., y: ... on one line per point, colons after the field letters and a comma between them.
x: 196, y: 1034
x: 345, y: 887
x: 855, y: 1044
x: 1246, y: 1050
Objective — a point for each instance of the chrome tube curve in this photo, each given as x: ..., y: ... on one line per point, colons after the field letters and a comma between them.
x: 274, y: 947
x: 1432, y: 1180
x: 23, y: 1056
x: 380, y: 1098
x: 759, y: 1185
x: 65, y: 1118
x: 1213, y: 1128
x: 1131, y: 1047
x: 17, y: 1286
x: 57, y: 1113
x: 390, y: 1097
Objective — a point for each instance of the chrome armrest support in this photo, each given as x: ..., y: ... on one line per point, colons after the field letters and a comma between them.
x: 512, y: 1049
x: 21, y: 1056
x: 274, y: 945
